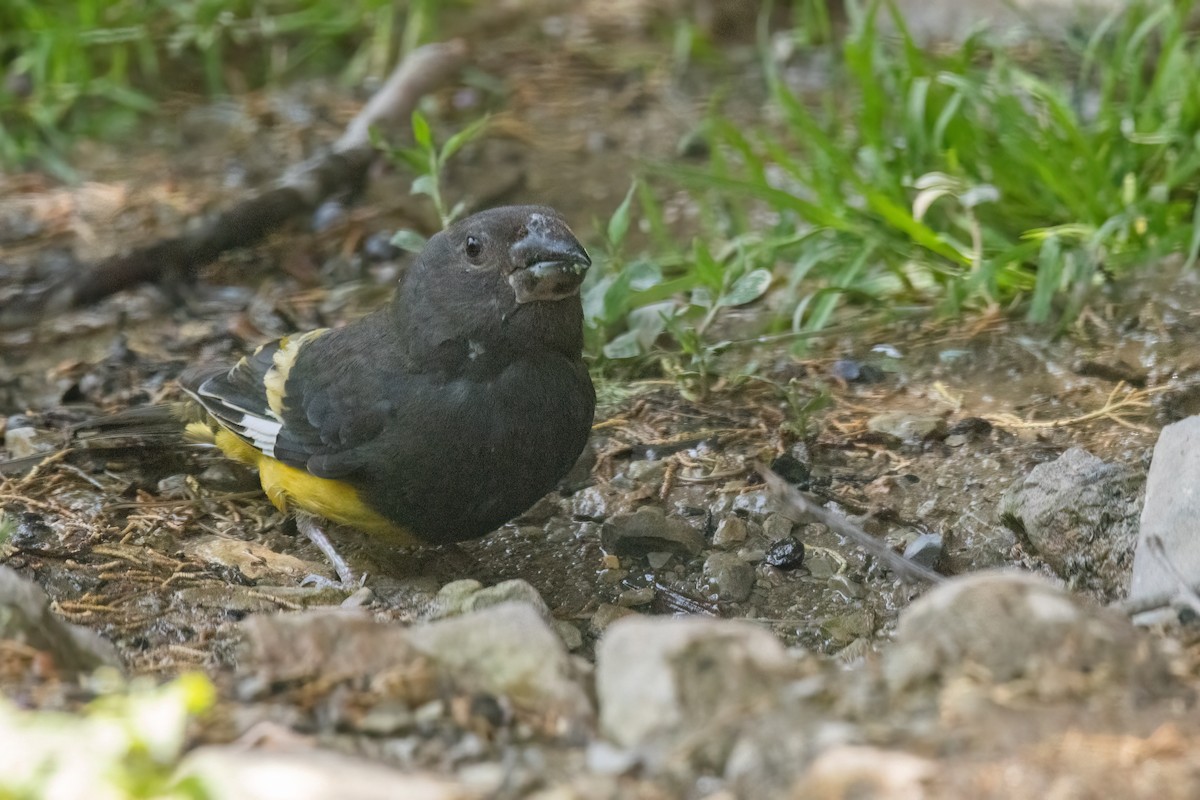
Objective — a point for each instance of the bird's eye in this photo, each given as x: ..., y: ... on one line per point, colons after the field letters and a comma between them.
x: 473, y: 247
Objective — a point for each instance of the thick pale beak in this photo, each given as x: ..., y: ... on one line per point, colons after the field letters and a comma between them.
x: 551, y: 267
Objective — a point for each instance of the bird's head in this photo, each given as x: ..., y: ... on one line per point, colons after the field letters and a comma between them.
x: 512, y: 271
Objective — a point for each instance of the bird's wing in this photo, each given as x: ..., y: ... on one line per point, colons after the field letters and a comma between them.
x: 303, y: 400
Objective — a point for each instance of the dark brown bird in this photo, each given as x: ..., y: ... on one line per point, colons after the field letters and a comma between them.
x: 435, y: 419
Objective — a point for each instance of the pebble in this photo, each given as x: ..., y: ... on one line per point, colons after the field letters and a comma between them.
x: 757, y: 502
x: 786, y: 553
x: 606, y: 614
x: 467, y: 595
x: 658, y: 560
x: 731, y: 578
x: 791, y: 469
x: 850, y: 589
x: 632, y: 598
x: 730, y: 530
x: 569, y: 634
x: 777, y: 526
x: 925, y: 550
x: 24, y: 442
x: 174, y: 487
x: 646, y: 471
x: 649, y: 530
x: 908, y: 427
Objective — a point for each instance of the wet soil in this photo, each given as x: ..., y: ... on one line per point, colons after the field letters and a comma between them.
x: 163, y: 551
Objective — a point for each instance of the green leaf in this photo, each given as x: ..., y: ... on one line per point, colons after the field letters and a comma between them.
x: 409, y: 240
x: 467, y: 134
x: 708, y: 269
x: 644, y: 275
x: 618, y: 224
x: 421, y: 132
x: 425, y: 184
x: 457, y: 211
x: 625, y: 345
x: 747, y: 288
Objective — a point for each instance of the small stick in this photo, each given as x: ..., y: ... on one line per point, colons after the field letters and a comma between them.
x: 301, y: 189
x: 804, y: 510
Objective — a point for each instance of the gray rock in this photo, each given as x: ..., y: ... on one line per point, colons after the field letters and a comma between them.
x: 25, y: 617
x: 510, y: 650
x: 646, y: 471
x: 730, y: 530
x: 599, y: 502
x: 731, y: 578
x: 467, y: 595
x: 606, y: 614
x: 661, y: 681
x: 908, y: 427
x: 756, y: 503
x: 1171, y: 510
x: 569, y: 633
x: 925, y: 550
x: 649, y: 530
x: 328, y: 645
x: 1007, y: 626
x: 777, y: 526
x: 1080, y: 514
x: 632, y: 598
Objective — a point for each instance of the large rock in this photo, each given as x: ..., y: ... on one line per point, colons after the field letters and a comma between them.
x: 999, y: 627
x: 510, y: 650
x: 25, y: 617
x: 1171, y: 511
x: 507, y: 650
x: 662, y: 680
x: 1080, y: 514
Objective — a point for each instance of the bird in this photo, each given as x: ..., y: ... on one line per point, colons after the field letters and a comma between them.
x: 436, y: 418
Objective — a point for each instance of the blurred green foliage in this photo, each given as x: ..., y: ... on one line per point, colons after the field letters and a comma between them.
x: 126, y: 743
x: 91, y: 67
x: 948, y: 178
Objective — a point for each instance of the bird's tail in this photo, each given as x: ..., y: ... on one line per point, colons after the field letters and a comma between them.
x: 137, y: 429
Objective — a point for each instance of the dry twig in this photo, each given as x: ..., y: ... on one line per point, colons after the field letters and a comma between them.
x: 803, y: 509
x: 302, y: 189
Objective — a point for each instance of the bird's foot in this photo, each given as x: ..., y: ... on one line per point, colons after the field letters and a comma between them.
x: 347, y: 581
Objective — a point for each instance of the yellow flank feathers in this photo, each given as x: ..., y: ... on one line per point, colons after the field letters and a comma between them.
x: 288, y: 487
x: 275, y: 381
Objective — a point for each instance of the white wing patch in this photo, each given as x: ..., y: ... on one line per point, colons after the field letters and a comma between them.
x: 261, y: 432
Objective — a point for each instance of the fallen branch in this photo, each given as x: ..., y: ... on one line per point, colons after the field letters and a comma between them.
x: 300, y: 190
x: 801, y: 509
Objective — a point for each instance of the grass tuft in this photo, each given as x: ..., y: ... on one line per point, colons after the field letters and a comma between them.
x: 951, y: 179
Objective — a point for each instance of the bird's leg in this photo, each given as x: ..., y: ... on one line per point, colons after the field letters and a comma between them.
x: 307, y: 524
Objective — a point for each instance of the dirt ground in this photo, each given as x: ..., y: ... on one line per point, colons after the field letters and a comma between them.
x: 163, y: 551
